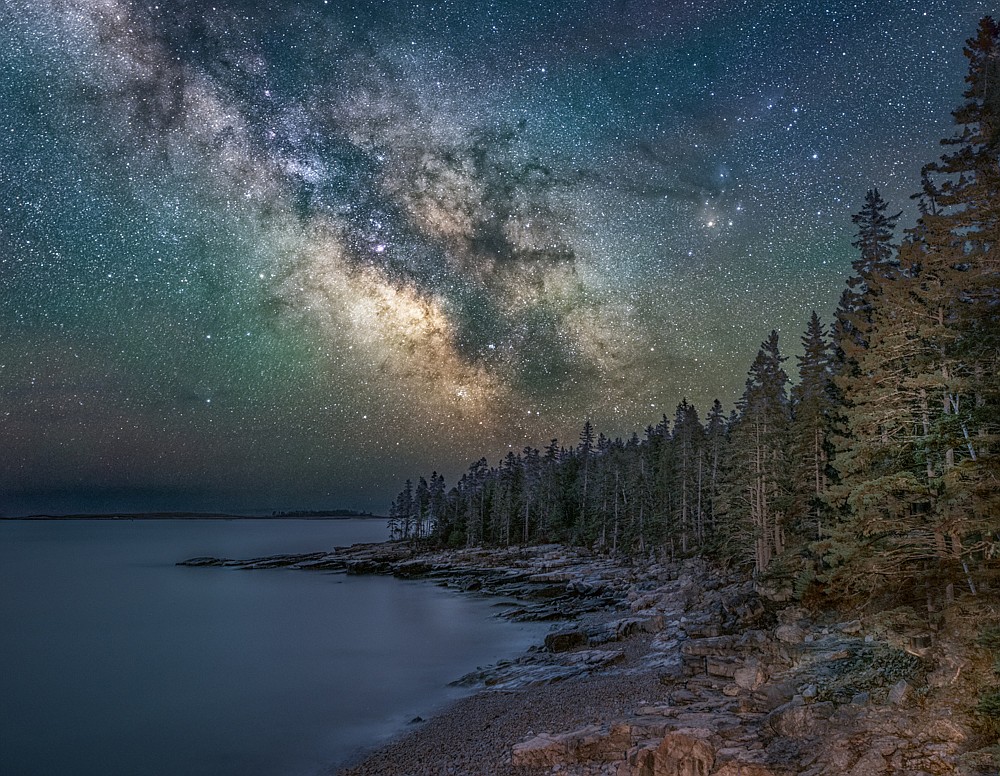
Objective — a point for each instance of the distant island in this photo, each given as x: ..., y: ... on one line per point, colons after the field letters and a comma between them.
x: 301, y: 514
x: 327, y: 513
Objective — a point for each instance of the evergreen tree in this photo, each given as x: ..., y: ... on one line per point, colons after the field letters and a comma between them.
x: 584, y: 450
x: 686, y: 476
x: 662, y: 473
x: 879, y: 451
x: 759, y: 496
x: 476, y: 502
x: 716, y: 441
x: 918, y: 467
x: 422, y: 508
x: 437, y: 506
x: 876, y: 263
x: 551, y: 512
x: 958, y: 294
x: 813, y: 405
x: 403, y: 512
x: 531, y: 471
x: 636, y: 494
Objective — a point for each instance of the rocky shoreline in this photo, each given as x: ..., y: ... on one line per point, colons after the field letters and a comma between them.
x: 679, y: 669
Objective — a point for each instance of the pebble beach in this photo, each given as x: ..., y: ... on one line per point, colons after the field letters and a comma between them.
x: 476, y: 734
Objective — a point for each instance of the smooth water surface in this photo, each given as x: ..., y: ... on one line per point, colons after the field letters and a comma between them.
x: 115, y: 661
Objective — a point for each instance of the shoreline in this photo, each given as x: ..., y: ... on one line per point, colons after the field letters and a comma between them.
x: 476, y: 734
x: 677, y: 668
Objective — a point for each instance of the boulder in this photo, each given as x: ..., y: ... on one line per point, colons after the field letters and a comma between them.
x: 871, y: 764
x: 796, y: 719
x: 410, y: 569
x: 742, y: 604
x: 622, y: 629
x: 561, y: 641
x: 641, y: 760
x: 679, y: 754
x: 589, y: 659
x: 692, y: 665
x: 594, y: 743
x: 602, y: 744
x: 665, y: 641
x: 724, y: 667
x: 551, y: 578
x: 367, y: 566
x: 770, y: 696
x: 750, y: 676
x: 542, y: 751
x: 647, y: 601
x: 789, y: 634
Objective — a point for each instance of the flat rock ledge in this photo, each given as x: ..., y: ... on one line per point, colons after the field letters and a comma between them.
x: 548, y: 582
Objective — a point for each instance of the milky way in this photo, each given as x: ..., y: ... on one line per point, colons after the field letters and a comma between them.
x: 273, y: 255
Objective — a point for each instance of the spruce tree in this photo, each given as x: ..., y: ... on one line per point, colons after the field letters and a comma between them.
x: 918, y: 472
x: 872, y: 418
x: 636, y: 496
x: 958, y: 288
x: 716, y: 441
x: 879, y: 458
x: 405, y: 511
x: 531, y: 468
x: 687, y: 445
x: 551, y: 512
x: 584, y: 450
x: 813, y: 406
x: 875, y: 264
x: 759, y: 494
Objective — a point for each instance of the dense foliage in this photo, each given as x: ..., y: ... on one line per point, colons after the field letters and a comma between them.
x: 877, y: 471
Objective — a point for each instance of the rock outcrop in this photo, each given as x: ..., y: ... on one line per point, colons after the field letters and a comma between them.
x: 548, y: 582
x: 763, y: 691
x: 756, y: 687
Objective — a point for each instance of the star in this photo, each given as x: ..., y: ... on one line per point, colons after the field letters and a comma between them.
x: 380, y: 232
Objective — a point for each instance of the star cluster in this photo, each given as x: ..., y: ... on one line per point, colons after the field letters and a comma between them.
x: 258, y: 255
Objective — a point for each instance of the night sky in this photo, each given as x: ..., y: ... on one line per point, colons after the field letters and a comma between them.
x: 287, y: 254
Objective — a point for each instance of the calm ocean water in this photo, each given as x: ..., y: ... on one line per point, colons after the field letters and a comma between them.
x: 115, y: 661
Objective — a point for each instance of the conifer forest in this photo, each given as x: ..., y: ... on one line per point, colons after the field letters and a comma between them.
x: 875, y: 473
